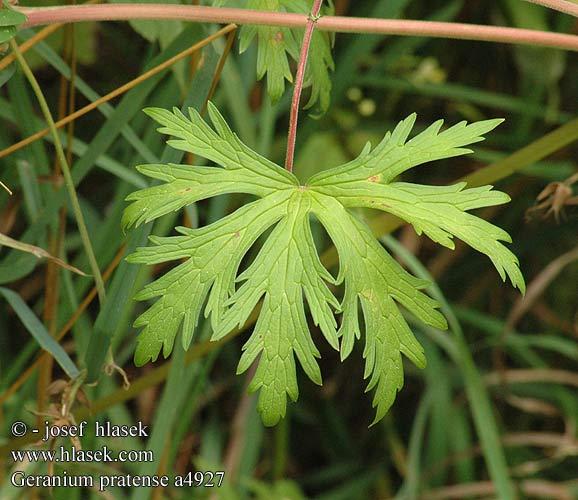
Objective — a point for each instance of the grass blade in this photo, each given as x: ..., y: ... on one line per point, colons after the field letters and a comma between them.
x: 476, y: 391
x: 39, y: 332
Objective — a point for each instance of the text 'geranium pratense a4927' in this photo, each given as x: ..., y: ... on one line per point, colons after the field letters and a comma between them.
x: 287, y: 272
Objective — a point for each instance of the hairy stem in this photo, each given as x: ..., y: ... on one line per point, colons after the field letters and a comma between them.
x: 121, y: 12
x: 65, y: 171
x: 302, y: 66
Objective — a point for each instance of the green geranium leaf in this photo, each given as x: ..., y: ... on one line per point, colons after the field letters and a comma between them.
x: 9, y: 20
x: 278, y: 46
x: 7, y: 33
x: 287, y: 273
x: 9, y: 16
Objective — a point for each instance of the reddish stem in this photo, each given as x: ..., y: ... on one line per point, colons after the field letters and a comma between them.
x: 122, y: 12
x: 302, y: 66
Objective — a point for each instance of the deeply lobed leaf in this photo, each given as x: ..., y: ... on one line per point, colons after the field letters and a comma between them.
x: 286, y: 275
x: 278, y: 46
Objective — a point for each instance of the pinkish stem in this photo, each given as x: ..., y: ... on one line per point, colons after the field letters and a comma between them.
x: 302, y: 66
x: 193, y: 13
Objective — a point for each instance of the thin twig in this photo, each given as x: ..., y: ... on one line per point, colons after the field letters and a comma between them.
x: 563, y: 443
x: 301, y: 67
x: 38, y: 252
x: 118, y: 91
x: 231, y: 29
x: 526, y: 376
x: 158, y: 374
x: 31, y: 42
x: 530, y: 487
x: 539, y: 284
x: 65, y: 170
x: 44, y: 33
x: 201, y: 14
x: 535, y: 290
x: 4, y: 186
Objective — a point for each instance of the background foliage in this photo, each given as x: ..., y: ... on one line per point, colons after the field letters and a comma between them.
x: 523, y: 353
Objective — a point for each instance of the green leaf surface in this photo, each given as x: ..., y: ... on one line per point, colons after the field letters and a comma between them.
x: 109, y: 322
x: 277, y: 47
x: 287, y: 276
x: 9, y: 16
x: 7, y: 33
x: 6, y: 74
x: 10, y: 19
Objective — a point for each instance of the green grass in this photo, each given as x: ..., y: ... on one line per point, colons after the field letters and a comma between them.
x: 453, y: 427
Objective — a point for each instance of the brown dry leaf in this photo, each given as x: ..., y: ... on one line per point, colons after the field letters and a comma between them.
x: 37, y: 252
x: 554, y: 198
